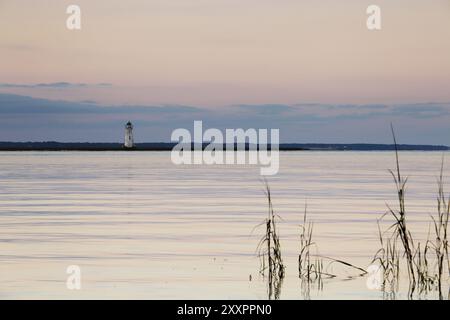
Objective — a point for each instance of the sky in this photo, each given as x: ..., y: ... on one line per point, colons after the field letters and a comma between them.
x: 310, y: 68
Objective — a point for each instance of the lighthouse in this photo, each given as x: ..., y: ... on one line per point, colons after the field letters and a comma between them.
x: 129, y: 142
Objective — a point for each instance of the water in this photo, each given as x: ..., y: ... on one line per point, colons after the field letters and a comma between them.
x: 140, y: 227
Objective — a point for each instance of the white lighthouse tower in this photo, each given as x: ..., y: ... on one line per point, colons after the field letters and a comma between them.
x: 129, y: 142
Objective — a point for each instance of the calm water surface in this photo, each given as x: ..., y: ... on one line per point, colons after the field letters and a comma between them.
x: 140, y: 227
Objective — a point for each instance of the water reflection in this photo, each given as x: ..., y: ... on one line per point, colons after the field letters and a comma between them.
x: 140, y: 227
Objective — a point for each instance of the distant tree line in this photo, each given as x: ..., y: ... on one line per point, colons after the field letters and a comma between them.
x: 162, y: 146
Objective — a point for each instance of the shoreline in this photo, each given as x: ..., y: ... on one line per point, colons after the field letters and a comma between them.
x: 162, y: 146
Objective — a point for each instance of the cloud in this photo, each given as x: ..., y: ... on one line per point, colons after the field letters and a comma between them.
x: 264, y: 109
x: 53, y: 85
x: 13, y: 103
x: 27, y: 118
x: 428, y: 110
x: 16, y: 46
x: 17, y: 104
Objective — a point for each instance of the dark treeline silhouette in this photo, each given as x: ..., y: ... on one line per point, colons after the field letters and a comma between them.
x: 163, y: 146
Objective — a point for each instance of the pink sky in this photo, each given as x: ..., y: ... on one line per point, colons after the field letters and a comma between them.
x: 214, y: 53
